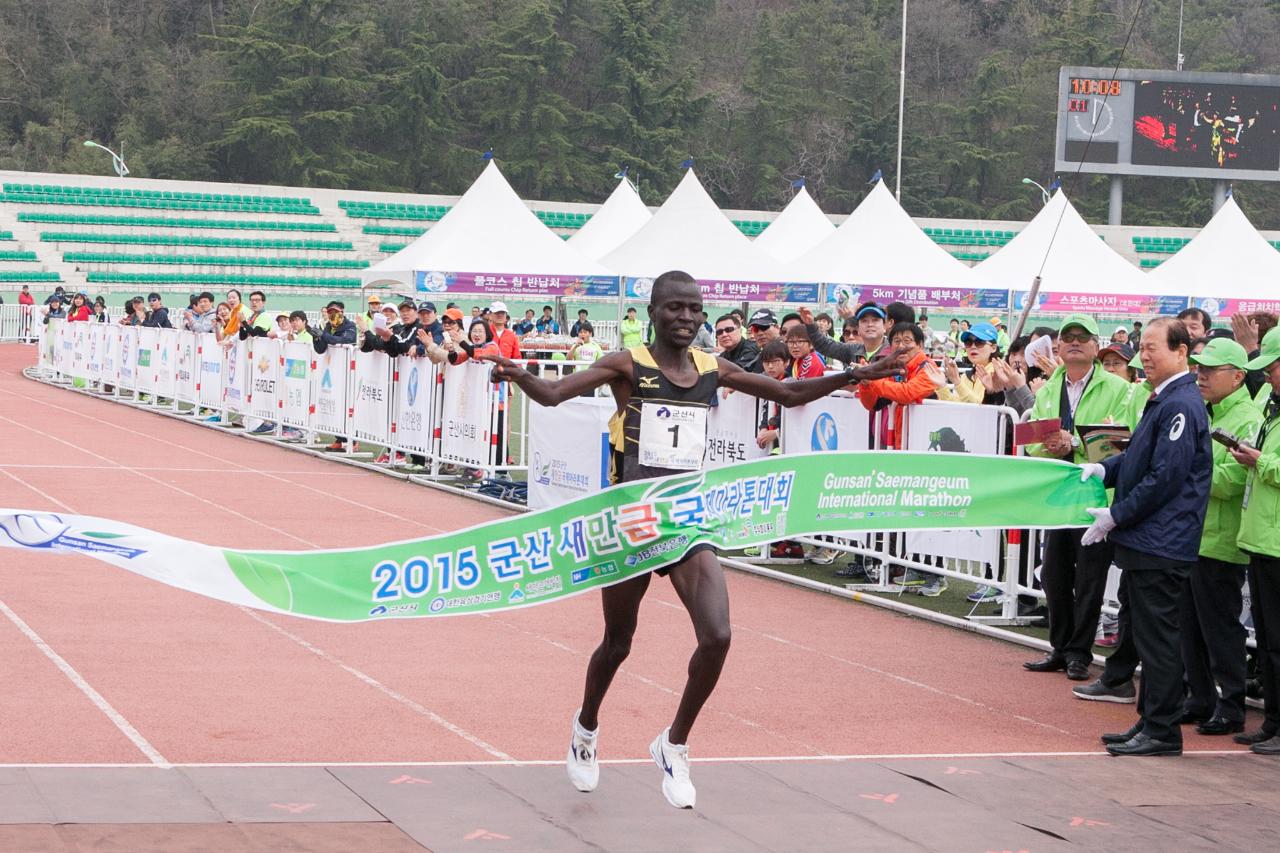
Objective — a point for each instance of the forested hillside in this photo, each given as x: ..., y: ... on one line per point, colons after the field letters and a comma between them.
x: 406, y: 94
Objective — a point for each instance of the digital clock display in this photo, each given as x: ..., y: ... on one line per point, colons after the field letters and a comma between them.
x: 1084, y: 86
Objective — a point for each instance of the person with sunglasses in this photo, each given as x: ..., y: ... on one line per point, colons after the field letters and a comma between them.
x: 1074, y: 576
x: 733, y: 346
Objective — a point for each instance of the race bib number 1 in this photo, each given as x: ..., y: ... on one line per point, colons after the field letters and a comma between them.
x: 672, y: 436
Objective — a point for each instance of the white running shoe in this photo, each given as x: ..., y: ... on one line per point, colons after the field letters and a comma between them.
x: 584, y: 771
x: 674, y: 761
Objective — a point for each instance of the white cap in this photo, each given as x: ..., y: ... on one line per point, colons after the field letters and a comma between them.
x: 495, y: 307
x: 1120, y: 329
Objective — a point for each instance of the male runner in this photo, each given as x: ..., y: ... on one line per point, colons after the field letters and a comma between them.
x: 666, y: 374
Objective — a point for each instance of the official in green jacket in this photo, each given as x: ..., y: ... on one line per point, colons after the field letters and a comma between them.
x: 1260, y: 539
x: 631, y: 330
x: 1074, y: 576
x: 1213, y: 640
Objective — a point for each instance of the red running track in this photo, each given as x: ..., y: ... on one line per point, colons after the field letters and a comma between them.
x: 182, y: 679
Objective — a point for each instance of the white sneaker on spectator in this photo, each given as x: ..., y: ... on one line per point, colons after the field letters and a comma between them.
x: 674, y: 761
x: 584, y: 769
x: 823, y: 556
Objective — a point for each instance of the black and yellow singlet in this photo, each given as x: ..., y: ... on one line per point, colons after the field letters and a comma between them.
x: 662, y: 429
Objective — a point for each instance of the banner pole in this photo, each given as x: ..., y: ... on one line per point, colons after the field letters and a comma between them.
x: 1026, y: 309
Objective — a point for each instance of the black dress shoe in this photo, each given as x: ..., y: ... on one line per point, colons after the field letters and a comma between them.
x: 1120, y: 737
x: 1189, y: 717
x: 1255, y: 736
x: 1141, y: 744
x: 1048, y: 663
x: 1220, y: 726
x: 1078, y: 670
x: 1267, y: 747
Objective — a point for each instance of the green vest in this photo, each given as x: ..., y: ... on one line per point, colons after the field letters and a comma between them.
x: 1238, y: 416
x: 632, y: 332
x: 1135, y: 402
x: 1259, y: 533
x: 1104, y: 397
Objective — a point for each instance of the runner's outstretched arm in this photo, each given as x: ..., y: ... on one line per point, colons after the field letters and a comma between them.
x: 616, y: 365
x: 806, y: 390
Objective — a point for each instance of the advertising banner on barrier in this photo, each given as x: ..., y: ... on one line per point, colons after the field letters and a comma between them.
x: 295, y: 383
x: 466, y: 409
x: 109, y: 374
x: 329, y: 381
x: 93, y: 357
x: 593, y: 541
x: 145, y: 371
x: 516, y: 286
x: 186, y: 368
x: 78, y: 335
x: 371, y: 420
x: 264, y: 372
x: 413, y: 417
x: 235, y: 383
x: 837, y: 422
x: 128, y: 363
x: 209, y: 377
x: 959, y: 298
x: 165, y: 360
x: 66, y: 346
x: 568, y: 449
x: 940, y: 427
x: 732, y: 427
x: 47, y: 345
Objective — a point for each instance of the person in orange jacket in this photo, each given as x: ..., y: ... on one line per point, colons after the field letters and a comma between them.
x: 921, y: 381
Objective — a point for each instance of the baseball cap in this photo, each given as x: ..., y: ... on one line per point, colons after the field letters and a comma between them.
x: 153, y: 297
x: 1269, y: 352
x: 981, y: 331
x: 453, y: 314
x: 763, y: 319
x: 495, y: 307
x: 1222, y: 351
x: 870, y: 308
x: 1123, y: 350
x: 995, y: 321
x: 408, y: 303
x: 375, y: 299
x: 1120, y: 329
x: 426, y: 306
x: 1084, y: 321
x: 299, y: 315
x: 336, y: 303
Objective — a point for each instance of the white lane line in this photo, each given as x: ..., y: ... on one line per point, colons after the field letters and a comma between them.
x: 902, y: 679
x: 417, y: 707
x: 126, y: 728
x: 293, y: 484
x: 23, y: 466
x: 367, y: 679
x: 728, y: 759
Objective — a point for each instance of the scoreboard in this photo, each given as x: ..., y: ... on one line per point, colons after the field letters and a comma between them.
x: 1187, y: 124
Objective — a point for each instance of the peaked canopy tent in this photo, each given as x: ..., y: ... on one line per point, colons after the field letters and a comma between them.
x: 880, y: 254
x: 799, y: 227
x: 1229, y: 259
x: 621, y: 216
x: 1080, y: 271
x: 491, y: 243
x: 689, y: 232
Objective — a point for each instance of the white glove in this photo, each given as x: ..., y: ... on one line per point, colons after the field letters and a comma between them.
x: 1092, y: 469
x: 1102, y: 525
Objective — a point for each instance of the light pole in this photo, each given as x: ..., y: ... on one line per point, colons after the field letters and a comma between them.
x: 116, y: 160
x: 1044, y: 193
x: 902, y: 101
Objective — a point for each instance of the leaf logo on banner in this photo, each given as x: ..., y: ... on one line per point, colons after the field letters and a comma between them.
x: 412, y: 388
x: 947, y: 440
x: 326, y: 381
x: 825, y: 435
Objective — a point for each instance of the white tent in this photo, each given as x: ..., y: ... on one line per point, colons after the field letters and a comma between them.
x: 1227, y: 260
x: 621, y: 216
x: 879, y: 244
x: 690, y: 233
x: 1078, y: 260
x: 488, y: 230
x: 801, y: 226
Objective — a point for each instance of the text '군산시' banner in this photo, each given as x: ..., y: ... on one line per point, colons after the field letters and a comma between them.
x: 592, y: 541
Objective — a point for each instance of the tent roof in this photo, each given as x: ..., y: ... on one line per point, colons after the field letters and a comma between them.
x: 621, y: 215
x: 1078, y: 261
x: 690, y: 233
x: 801, y: 226
x: 1228, y: 258
x: 489, y: 229
x: 880, y: 244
